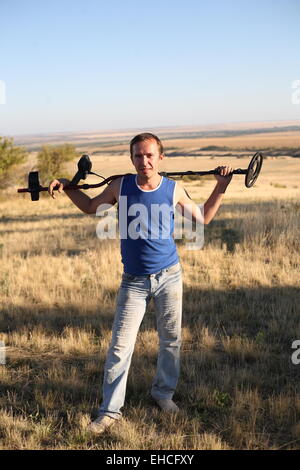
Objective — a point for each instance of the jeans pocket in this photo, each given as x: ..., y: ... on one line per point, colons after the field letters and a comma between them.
x: 174, y: 269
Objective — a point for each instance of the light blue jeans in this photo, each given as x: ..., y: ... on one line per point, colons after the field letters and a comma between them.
x: 165, y: 287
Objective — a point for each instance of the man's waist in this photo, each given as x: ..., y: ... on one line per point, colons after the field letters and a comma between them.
x: 169, y: 269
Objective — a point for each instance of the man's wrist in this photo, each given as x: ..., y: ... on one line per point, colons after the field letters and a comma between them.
x: 221, y: 187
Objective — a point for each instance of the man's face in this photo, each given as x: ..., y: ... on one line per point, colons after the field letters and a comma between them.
x: 146, y: 158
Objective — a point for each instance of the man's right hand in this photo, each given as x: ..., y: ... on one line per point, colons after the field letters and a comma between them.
x: 57, y: 183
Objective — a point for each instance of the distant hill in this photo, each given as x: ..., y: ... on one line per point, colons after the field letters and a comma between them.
x: 105, y: 139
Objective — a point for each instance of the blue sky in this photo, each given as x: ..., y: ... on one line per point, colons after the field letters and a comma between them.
x: 96, y: 65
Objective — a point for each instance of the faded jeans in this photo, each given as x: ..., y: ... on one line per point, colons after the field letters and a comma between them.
x: 165, y: 287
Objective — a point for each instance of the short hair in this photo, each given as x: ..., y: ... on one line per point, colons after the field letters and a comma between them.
x: 146, y: 136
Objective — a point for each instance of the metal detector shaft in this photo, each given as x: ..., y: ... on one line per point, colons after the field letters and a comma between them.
x: 39, y: 188
x: 110, y: 178
x: 84, y: 168
x: 238, y: 171
x: 43, y: 188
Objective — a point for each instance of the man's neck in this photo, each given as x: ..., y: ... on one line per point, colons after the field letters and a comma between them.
x: 149, y: 182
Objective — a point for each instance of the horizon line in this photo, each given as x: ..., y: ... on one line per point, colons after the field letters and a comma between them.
x: 144, y: 128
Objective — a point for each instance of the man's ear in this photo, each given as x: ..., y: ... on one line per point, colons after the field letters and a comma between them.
x: 162, y: 155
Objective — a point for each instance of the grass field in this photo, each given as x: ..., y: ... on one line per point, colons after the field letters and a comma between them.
x: 238, y: 388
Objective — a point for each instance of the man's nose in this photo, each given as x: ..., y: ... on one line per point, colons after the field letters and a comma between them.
x: 144, y: 160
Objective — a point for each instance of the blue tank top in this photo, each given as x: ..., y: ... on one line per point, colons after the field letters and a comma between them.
x: 146, y: 226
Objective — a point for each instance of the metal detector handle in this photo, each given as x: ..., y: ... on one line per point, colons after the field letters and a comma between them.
x: 84, y: 168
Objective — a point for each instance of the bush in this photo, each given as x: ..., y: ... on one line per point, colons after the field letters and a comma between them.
x: 51, y: 161
x: 198, y: 178
x: 10, y: 157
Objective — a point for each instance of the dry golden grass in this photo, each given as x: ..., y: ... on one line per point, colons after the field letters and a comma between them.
x: 238, y: 388
x: 261, y: 141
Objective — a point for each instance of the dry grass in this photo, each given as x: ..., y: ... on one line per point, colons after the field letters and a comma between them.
x: 238, y: 387
x: 290, y: 139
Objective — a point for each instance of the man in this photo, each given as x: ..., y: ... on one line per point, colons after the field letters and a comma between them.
x: 151, y: 270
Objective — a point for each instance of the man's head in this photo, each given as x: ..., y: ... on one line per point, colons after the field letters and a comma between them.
x: 146, y: 151
x: 145, y: 137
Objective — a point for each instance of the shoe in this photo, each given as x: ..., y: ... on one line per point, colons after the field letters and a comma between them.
x: 101, y: 424
x: 166, y: 404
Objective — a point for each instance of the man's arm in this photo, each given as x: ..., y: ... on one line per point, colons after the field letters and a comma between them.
x: 190, y: 210
x: 86, y: 204
x: 186, y: 206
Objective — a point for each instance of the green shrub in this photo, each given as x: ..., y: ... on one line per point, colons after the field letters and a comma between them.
x: 10, y: 157
x: 52, y: 159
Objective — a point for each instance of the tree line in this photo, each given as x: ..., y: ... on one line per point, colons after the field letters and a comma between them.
x: 50, y: 161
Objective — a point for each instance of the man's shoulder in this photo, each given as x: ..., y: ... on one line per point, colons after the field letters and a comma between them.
x: 180, y: 192
x: 118, y: 182
x: 115, y: 185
